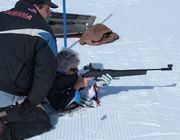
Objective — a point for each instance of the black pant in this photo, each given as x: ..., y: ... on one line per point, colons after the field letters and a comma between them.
x: 62, y: 91
x: 21, y: 126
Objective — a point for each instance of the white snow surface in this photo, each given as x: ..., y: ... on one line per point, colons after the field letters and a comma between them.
x: 132, y: 108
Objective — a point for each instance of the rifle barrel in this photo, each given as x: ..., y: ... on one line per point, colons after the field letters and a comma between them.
x: 114, y: 73
x: 169, y: 67
x: 120, y: 73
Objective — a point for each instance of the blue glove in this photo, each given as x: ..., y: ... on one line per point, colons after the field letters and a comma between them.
x: 103, y: 80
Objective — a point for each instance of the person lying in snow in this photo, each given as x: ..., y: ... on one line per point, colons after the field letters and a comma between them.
x: 70, y: 90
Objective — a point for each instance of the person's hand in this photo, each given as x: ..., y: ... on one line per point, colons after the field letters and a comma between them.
x: 26, y: 106
x: 103, y: 80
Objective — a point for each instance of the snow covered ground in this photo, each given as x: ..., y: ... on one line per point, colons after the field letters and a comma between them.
x: 132, y: 108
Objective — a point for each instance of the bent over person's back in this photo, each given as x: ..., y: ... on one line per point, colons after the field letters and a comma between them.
x: 28, y: 66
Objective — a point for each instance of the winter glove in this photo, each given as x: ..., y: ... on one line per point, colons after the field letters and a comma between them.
x: 103, y: 80
x: 26, y: 107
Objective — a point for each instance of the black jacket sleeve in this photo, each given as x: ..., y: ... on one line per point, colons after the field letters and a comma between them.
x: 45, y: 66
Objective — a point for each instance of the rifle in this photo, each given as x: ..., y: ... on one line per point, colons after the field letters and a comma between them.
x: 93, y: 72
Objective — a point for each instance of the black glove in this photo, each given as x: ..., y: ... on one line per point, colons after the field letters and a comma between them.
x: 26, y: 107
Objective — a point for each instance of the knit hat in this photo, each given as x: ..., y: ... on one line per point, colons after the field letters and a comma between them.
x: 67, y: 59
x: 48, y: 2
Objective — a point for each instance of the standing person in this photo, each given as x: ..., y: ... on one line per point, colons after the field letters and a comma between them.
x: 69, y: 89
x: 28, y: 64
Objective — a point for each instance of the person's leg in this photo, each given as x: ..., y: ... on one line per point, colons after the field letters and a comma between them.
x: 18, y: 126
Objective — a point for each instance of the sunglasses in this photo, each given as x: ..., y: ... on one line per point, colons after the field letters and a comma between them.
x: 74, y: 69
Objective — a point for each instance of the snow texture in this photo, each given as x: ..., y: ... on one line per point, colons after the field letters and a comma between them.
x: 132, y: 108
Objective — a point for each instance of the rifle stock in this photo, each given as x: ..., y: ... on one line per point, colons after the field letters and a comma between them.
x: 93, y: 72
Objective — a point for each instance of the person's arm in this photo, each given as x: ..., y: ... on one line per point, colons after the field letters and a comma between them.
x: 81, y: 83
x: 45, y: 66
x: 92, y: 91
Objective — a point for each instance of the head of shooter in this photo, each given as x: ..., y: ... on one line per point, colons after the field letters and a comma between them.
x: 68, y: 61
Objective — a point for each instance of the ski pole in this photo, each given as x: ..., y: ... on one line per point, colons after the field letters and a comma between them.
x: 64, y: 24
